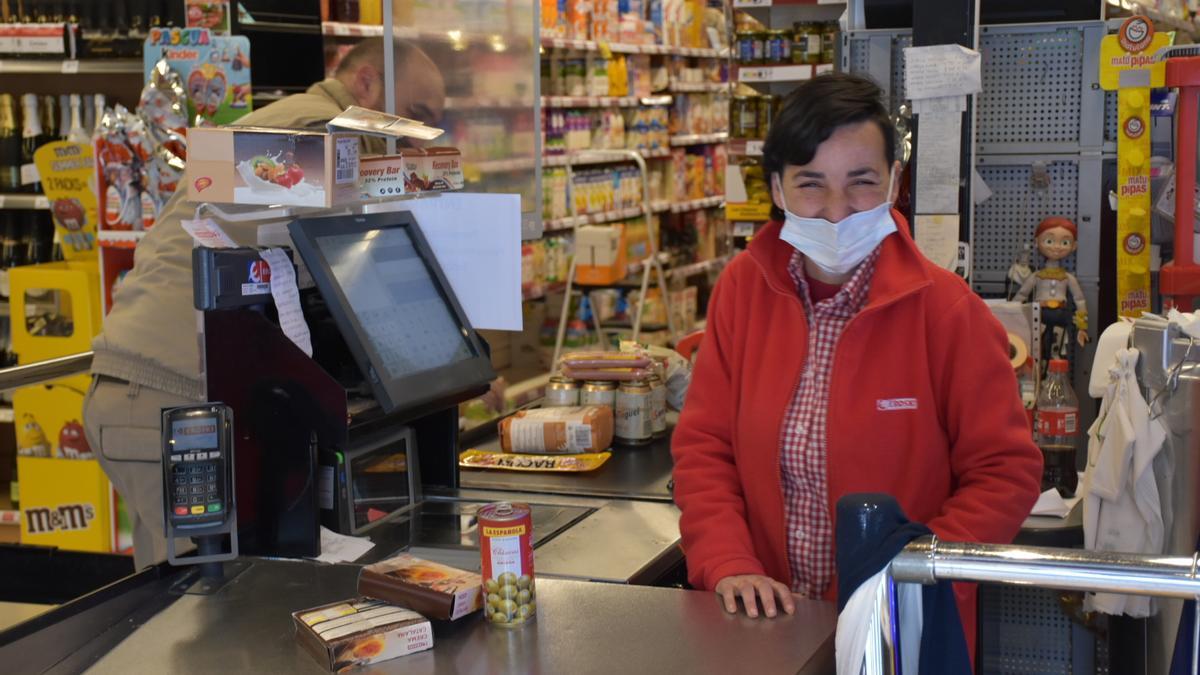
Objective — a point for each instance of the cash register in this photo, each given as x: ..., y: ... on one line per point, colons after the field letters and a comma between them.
x: 361, y: 437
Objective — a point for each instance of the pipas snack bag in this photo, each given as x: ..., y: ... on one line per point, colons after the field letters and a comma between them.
x: 359, y: 632
x: 569, y: 429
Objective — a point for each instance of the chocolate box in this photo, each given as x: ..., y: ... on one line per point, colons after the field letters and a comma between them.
x: 359, y: 632
x: 435, y: 590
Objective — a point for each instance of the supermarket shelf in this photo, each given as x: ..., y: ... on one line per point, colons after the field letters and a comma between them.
x: 502, y: 165
x: 561, y: 160
x: 358, y: 30
x: 72, y: 67
x: 661, y: 206
x: 620, y: 48
x: 592, y: 219
x: 1155, y: 15
x: 541, y: 293
x: 792, y: 73
x: 17, y: 201
x: 119, y: 238
x: 281, y: 27
x: 698, y: 87
x: 699, y: 267
x: 745, y: 148
x: 473, y: 103
x: 692, y: 205
x: 699, y: 139
x: 590, y: 101
x: 751, y: 4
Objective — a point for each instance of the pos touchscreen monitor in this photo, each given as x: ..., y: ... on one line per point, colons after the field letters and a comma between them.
x: 394, y: 307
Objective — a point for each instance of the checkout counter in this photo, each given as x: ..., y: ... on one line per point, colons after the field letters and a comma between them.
x: 362, y: 437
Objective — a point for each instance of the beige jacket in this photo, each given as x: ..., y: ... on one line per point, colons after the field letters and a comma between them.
x: 150, y: 337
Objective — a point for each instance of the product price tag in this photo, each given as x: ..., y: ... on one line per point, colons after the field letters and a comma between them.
x: 751, y: 3
x: 341, y: 29
x: 70, y: 67
x: 39, y: 202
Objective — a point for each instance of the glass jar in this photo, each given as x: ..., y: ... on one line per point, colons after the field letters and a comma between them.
x: 806, y: 43
x: 778, y: 47
x: 829, y: 38
x: 744, y: 47
x: 743, y: 117
x: 768, y: 107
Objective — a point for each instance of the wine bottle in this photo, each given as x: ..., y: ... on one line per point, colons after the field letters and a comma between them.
x: 97, y: 112
x: 31, y: 136
x: 64, y: 116
x: 77, y: 132
x: 50, y: 130
x: 10, y: 147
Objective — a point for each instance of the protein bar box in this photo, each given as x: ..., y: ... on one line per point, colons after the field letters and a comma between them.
x: 359, y: 632
x: 435, y: 590
x: 413, y: 170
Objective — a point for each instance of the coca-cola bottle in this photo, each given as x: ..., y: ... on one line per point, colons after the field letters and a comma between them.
x: 1058, y: 429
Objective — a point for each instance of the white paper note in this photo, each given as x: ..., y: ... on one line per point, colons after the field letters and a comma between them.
x: 937, y: 237
x: 287, y: 299
x: 941, y: 70
x: 477, y: 241
x: 939, y: 104
x: 980, y: 192
x: 938, y: 143
x: 208, y: 234
x: 336, y: 548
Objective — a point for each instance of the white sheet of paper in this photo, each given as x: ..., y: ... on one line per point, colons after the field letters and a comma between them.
x: 1050, y: 503
x: 937, y: 237
x: 939, y: 104
x: 980, y: 192
x: 941, y: 70
x: 938, y: 143
x: 208, y: 234
x: 477, y: 241
x: 336, y: 548
x: 287, y: 299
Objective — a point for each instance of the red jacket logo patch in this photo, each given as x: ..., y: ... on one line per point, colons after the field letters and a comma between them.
x: 889, y: 404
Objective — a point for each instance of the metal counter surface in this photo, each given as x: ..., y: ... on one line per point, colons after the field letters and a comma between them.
x: 581, y: 628
x: 633, y: 472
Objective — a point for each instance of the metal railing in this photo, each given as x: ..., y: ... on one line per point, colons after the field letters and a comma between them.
x: 44, y: 371
x: 928, y: 560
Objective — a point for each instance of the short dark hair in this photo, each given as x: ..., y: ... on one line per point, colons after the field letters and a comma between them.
x: 370, y: 51
x: 814, y: 110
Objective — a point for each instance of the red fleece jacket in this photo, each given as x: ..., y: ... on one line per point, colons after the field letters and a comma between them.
x: 923, y: 405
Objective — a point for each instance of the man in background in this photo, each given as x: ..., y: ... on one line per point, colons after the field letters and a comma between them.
x: 148, y: 356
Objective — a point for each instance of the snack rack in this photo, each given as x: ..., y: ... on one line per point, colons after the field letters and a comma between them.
x: 652, y: 260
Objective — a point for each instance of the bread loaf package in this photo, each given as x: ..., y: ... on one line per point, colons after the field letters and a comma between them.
x: 570, y: 429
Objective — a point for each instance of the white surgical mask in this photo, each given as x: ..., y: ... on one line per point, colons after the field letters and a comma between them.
x: 837, y: 248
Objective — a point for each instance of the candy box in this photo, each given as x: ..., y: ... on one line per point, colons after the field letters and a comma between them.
x: 258, y: 165
x: 359, y: 632
x: 413, y: 170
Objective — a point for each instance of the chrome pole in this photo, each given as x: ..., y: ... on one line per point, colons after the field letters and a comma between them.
x: 927, y: 560
x: 44, y: 371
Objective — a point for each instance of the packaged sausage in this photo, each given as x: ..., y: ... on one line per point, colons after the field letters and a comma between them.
x: 570, y: 429
x: 607, y: 374
x: 594, y: 360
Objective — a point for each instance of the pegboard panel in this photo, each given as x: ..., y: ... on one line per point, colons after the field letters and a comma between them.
x: 1110, y: 117
x: 1032, y: 86
x: 1023, y: 631
x: 898, y: 97
x: 1005, y: 222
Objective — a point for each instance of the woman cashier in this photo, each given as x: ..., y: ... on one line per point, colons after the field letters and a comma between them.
x: 838, y: 360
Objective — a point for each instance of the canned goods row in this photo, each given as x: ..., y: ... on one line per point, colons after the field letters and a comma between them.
x: 811, y: 43
x: 639, y: 406
x: 750, y: 117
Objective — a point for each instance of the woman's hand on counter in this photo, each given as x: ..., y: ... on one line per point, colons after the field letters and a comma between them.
x: 751, y: 588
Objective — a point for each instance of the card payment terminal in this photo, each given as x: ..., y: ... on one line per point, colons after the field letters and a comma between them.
x: 198, y: 480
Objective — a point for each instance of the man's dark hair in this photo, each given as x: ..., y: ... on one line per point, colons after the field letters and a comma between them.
x: 813, y: 111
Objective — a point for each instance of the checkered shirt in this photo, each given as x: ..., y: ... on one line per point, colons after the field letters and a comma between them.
x: 803, y: 446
